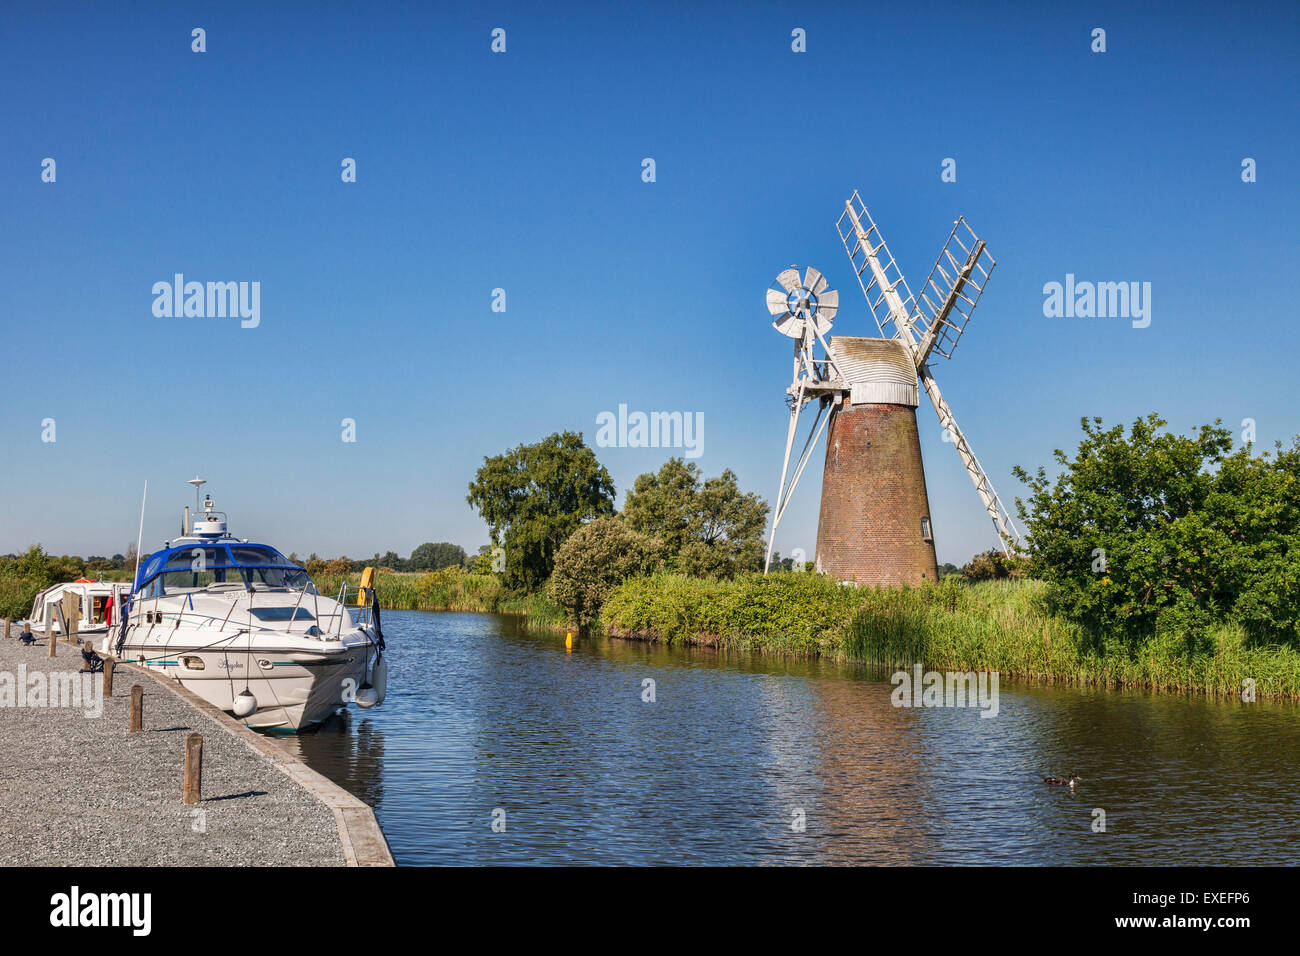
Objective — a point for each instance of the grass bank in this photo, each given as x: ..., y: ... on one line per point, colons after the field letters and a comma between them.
x: 949, y: 625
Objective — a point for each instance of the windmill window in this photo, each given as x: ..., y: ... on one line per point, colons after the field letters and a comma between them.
x: 925, y: 529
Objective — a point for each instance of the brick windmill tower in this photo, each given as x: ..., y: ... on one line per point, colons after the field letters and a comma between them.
x: 874, y: 526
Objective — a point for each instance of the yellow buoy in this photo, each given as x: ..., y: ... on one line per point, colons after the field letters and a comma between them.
x: 568, y: 641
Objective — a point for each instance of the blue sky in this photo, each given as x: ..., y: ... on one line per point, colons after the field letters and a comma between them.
x: 522, y: 171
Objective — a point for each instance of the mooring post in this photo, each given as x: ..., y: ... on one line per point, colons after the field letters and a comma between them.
x: 53, y: 641
x: 6, y: 629
x: 71, y: 612
x: 137, y: 708
x: 193, y: 768
x: 108, y: 677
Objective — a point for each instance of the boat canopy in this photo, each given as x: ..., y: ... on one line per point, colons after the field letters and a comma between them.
x: 193, y: 566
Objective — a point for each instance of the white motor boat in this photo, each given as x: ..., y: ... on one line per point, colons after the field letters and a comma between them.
x: 244, y: 628
x: 95, y: 600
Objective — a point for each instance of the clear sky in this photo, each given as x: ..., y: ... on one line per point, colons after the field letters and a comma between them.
x: 523, y: 171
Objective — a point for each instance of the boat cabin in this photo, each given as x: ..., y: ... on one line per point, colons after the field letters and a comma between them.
x: 194, y: 565
x: 92, y: 599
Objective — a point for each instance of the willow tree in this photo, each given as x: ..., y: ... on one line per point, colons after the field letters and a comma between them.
x: 534, y: 496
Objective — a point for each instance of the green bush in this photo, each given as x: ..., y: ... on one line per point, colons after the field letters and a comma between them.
x: 24, y: 576
x: 1151, y: 532
x: 995, y: 566
x: 593, y: 561
x: 794, y: 611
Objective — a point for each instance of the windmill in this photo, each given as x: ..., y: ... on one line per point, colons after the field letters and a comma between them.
x: 874, y: 525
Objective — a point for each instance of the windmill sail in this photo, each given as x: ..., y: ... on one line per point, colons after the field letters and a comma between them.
x: 934, y: 323
x: 951, y: 291
x: 890, y: 300
x: 1008, y: 533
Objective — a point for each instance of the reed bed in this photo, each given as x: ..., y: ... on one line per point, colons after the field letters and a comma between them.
x: 451, y: 589
x: 949, y: 625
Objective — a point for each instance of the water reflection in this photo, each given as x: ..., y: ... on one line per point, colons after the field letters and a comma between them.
x: 352, y: 744
x: 483, y: 715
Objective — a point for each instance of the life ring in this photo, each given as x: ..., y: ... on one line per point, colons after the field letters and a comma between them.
x: 367, y: 581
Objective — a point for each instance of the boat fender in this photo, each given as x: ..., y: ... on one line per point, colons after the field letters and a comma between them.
x: 366, y: 697
x: 371, y: 693
x: 245, y: 703
x: 379, y: 679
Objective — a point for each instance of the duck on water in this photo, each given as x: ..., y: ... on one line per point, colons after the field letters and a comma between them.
x: 1063, y: 781
x: 244, y: 628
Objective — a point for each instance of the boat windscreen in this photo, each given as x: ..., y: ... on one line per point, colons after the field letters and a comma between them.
x: 255, y: 555
x: 282, y: 614
x: 196, y: 559
x: 201, y: 566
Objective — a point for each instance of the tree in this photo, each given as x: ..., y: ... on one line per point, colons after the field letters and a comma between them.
x: 597, y: 558
x: 989, y: 566
x: 662, y: 504
x: 22, y: 576
x: 1154, y: 529
x: 534, y: 496
x: 391, y: 560
x: 483, y: 561
x: 434, y: 556
x: 708, y: 527
x: 339, y: 566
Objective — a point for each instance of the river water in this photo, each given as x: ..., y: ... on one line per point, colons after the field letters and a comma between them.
x: 485, y: 720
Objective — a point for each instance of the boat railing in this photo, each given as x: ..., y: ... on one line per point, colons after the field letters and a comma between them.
x: 358, y: 599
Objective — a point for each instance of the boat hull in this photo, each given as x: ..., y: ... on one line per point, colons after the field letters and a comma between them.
x: 294, y: 689
x: 92, y: 633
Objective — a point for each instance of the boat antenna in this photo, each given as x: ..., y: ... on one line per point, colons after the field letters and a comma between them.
x: 139, y: 539
x: 197, y: 482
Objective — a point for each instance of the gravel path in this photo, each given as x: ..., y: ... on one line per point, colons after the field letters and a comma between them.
x: 82, y: 791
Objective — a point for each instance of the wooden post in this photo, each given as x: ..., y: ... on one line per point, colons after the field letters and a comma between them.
x: 108, y: 677
x: 71, y: 615
x: 6, y: 629
x: 137, y: 708
x: 193, y: 768
x: 53, y: 640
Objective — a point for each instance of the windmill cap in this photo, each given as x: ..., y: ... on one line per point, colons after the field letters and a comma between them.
x: 878, y: 371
